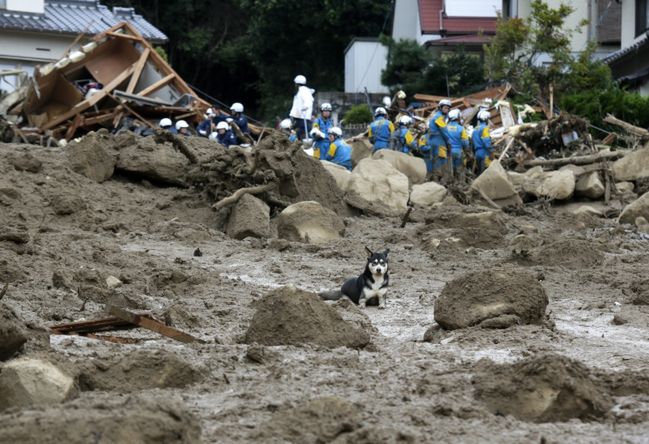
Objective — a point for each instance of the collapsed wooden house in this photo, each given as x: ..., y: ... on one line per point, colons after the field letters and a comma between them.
x: 117, y: 74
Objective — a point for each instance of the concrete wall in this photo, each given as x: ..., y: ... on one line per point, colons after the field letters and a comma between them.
x: 472, y: 8
x: 364, y: 62
x: 33, y: 6
x: 33, y: 47
x: 406, y: 18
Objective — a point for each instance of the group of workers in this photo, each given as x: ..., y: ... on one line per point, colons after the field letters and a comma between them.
x: 445, y: 133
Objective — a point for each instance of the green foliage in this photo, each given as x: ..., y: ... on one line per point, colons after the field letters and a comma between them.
x: 414, y: 69
x: 162, y: 53
x: 514, y: 53
x: 594, y: 104
x: 358, y: 114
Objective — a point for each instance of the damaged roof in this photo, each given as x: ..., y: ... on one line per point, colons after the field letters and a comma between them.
x: 629, y: 50
x: 76, y: 17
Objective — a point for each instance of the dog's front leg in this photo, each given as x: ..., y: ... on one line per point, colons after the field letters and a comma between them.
x: 382, y: 294
x: 362, y: 301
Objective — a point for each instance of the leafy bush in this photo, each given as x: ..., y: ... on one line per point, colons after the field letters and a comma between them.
x: 594, y: 104
x: 358, y: 114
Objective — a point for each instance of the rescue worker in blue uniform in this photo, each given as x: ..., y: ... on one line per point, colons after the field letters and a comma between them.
x: 224, y: 135
x: 339, y: 152
x: 380, y: 131
x: 167, y: 125
x: 435, y: 149
x: 458, y: 140
x: 206, y: 127
x: 481, y: 138
x: 404, y: 140
x: 286, y: 127
x: 237, y: 116
x: 323, y: 123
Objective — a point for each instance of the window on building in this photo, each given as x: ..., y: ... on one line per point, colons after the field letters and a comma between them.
x: 641, y: 16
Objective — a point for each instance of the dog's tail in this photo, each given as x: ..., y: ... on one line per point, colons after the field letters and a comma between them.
x: 331, y: 295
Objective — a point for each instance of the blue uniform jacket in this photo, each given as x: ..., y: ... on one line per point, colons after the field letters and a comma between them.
x: 457, y: 136
x: 242, y: 123
x: 205, y: 127
x: 405, y: 141
x: 482, y: 141
x: 340, y: 153
x: 380, y: 132
x: 227, y: 138
x: 324, y: 125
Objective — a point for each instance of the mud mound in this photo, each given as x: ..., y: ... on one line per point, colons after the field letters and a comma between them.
x: 289, y: 316
x: 495, y: 298
x: 372, y: 434
x: 480, y: 230
x: 570, y: 253
x: 138, y: 370
x: 640, y: 292
x: 13, y: 333
x: 317, y: 421
x: 129, y: 419
x: 548, y: 388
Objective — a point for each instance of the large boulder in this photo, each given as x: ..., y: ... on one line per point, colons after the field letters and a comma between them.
x: 484, y: 297
x: 427, y: 194
x: 27, y: 382
x: 637, y: 208
x: 545, y: 388
x: 341, y: 175
x: 590, y: 185
x: 89, y: 158
x: 377, y: 187
x: 557, y: 185
x: 625, y: 187
x: 158, y: 162
x: 289, y: 316
x: 250, y: 217
x: 309, y: 222
x: 633, y: 166
x: 413, y: 167
x: 12, y: 333
x: 496, y: 185
x: 361, y: 149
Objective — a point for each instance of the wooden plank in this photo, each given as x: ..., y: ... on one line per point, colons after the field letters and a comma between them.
x: 153, y: 325
x: 73, y: 128
x: 123, y: 36
x: 97, y: 325
x: 157, y: 85
x: 138, y: 70
x: 82, y: 106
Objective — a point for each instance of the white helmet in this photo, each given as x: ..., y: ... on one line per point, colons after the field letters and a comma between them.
x: 222, y: 126
x: 454, y: 114
x: 300, y: 80
x: 285, y: 124
x: 210, y: 112
x: 405, y: 120
x: 236, y: 107
x: 325, y: 107
x: 336, y: 131
x: 386, y: 101
x: 445, y: 102
x: 165, y: 123
x: 380, y: 111
x: 484, y: 115
x: 181, y: 124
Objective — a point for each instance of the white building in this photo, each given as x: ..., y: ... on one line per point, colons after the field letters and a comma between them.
x: 365, y: 60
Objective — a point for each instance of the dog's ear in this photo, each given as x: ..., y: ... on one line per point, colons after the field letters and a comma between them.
x: 387, y: 250
x: 368, y: 251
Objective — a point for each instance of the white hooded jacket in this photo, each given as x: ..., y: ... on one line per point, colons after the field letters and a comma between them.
x: 302, y: 103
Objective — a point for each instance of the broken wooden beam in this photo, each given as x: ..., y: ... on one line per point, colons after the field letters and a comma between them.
x: 575, y: 160
x: 632, y: 129
x: 93, y: 326
x: 153, y: 325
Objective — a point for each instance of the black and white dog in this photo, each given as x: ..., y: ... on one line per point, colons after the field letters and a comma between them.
x: 370, y: 287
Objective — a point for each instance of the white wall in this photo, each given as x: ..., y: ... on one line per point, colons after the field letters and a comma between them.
x: 406, y: 18
x: 472, y: 8
x: 364, y: 62
x: 33, y: 47
x: 628, y: 23
x: 34, y: 6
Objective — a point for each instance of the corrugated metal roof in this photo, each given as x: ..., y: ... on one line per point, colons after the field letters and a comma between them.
x: 77, y: 16
x: 617, y: 55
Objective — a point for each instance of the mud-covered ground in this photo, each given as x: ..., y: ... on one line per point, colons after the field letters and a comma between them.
x: 73, y: 233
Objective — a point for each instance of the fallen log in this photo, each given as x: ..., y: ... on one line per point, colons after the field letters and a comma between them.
x: 635, y: 130
x: 234, y: 198
x: 575, y: 160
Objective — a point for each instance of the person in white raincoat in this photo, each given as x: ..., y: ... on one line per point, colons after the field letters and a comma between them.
x: 302, y: 109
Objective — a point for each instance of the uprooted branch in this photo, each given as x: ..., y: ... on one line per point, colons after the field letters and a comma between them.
x: 234, y: 198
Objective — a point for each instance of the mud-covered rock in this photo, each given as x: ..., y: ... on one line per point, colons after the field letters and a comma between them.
x: 340, y: 174
x: 547, y: 388
x: 475, y: 297
x: 637, y: 208
x: 26, y: 162
x: 309, y: 222
x: 250, y: 217
x: 496, y: 185
x: 13, y: 333
x: 90, y: 158
x: 288, y: 316
x: 317, y: 421
x: 139, y: 370
x: 377, y: 187
x: 559, y: 185
x: 361, y: 149
x: 27, y: 382
x: 625, y: 187
x: 66, y: 203
x: 130, y: 419
x: 633, y: 166
x: 590, y: 185
x: 427, y: 194
x: 413, y: 167
x: 570, y: 253
x: 159, y: 162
